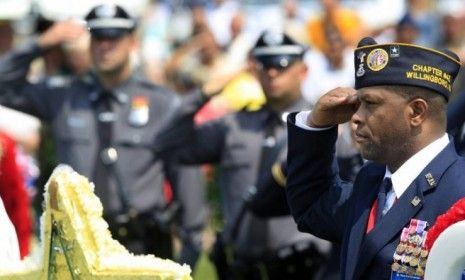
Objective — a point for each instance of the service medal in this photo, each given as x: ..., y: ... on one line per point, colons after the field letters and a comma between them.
x: 403, y: 269
x: 400, y: 248
x: 410, y: 271
x: 414, y: 262
x: 424, y: 253
x: 407, y: 259
x: 409, y: 249
x: 416, y: 252
x: 422, y: 263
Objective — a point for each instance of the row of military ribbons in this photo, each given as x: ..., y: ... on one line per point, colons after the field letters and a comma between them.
x: 411, y: 254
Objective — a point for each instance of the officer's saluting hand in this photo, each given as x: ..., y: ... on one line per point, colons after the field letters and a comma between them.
x: 61, y: 32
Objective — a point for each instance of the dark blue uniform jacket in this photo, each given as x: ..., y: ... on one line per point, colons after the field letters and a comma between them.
x: 327, y: 207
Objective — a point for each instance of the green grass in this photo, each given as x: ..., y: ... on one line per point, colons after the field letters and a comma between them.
x: 204, y: 270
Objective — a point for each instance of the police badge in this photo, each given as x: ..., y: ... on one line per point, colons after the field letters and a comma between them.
x: 106, y: 11
x: 139, y: 115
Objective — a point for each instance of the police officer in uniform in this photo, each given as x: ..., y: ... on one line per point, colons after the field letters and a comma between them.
x: 245, y: 145
x: 104, y: 125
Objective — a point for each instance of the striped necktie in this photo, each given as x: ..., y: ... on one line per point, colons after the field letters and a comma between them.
x: 386, y: 198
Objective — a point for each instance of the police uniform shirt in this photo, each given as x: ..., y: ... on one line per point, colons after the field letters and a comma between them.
x: 235, y: 143
x: 140, y: 110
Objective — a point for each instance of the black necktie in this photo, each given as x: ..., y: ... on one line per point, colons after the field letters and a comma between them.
x: 105, y: 120
x: 385, y: 187
x: 270, y: 147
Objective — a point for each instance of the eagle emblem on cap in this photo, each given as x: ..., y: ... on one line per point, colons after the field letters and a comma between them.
x: 377, y: 59
x: 273, y: 38
x: 106, y: 11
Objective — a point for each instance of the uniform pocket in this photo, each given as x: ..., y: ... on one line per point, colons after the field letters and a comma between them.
x: 76, y: 128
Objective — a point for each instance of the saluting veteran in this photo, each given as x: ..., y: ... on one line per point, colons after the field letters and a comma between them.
x: 398, y: 113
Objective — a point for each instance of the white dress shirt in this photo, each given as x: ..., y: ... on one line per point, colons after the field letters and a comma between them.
x: 410, y: 170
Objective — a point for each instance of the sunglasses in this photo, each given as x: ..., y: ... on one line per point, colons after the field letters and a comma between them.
x: 109, y: 34
x: 279, y: 63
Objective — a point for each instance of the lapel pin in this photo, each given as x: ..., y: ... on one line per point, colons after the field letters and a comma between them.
x: 430, y: 179
x: 415, y: 201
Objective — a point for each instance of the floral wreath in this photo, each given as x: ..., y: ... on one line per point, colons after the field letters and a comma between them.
x: 455, y: 214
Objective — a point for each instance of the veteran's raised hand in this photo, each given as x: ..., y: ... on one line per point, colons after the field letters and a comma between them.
x: 335, y: 107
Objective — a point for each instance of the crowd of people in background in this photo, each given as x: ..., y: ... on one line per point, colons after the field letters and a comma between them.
x: 183, y: 46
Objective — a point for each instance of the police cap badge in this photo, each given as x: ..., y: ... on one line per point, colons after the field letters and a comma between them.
x: 277, y: 50
x: 109, y: 20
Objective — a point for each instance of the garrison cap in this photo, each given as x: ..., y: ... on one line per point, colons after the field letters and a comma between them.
x: 404, y: 64
x: 277, y: 49
x: 109, y: 20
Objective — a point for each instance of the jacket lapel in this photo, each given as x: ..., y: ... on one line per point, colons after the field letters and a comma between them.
x: 362, y: 206
x: 390, y: 226
x: 409, y: 204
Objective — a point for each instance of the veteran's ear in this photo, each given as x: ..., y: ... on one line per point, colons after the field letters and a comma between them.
x: 418, y: 109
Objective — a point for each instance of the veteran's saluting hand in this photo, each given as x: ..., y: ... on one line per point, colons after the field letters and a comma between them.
x: 335, y: 107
